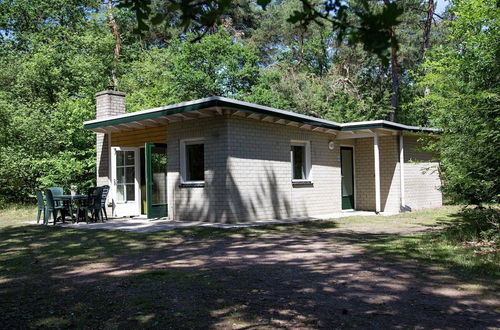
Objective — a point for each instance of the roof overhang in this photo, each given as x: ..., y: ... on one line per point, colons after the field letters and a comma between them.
x: 215, y: 105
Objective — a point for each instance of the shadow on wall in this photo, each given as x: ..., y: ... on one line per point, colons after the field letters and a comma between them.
x: 223, y: 201
x: 365, y: 173
x: 387, y: 179
x: 103, y: 167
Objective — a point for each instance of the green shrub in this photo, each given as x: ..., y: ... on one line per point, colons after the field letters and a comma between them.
x: 475, y: 224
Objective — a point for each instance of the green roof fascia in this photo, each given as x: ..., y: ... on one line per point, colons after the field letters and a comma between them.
x: 150, y: 115
x: 390, y: 126
x: 369, y: 126
x: 216, y: 101
x: 281, y: 115
x: 209, y: 104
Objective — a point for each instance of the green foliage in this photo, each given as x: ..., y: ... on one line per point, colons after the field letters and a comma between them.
x: 332, y: 97
x: 371, y: 27
x: 55, y: 57
x: 217, y: 65
x: 463, y: 99
x: 57, y: 54
x: 475, y: 225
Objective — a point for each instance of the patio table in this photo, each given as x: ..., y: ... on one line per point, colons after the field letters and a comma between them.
x: 69, y: 200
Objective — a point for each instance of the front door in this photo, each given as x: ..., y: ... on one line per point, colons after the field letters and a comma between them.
x: 156, y: 180
x: 125, y: 174
x: 347, y: 172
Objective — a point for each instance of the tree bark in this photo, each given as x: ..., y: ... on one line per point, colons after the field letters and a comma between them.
x: 394, y: 77
x: 427, y: 27
x: 118, y: 44
x: 427, y: 37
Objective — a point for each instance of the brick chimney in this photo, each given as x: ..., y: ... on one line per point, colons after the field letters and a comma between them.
x: 109, y: 103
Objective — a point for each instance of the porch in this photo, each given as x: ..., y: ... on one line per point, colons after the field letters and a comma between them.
x: 144, y: 225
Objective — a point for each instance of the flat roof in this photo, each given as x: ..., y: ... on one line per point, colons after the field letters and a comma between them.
x: 232, y: 104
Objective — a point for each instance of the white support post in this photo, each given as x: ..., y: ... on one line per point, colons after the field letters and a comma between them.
x: 402, y: 170
x: 376, y: 154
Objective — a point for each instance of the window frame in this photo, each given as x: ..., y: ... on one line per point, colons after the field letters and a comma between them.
x: 183, y: 161
x: 307, y: 160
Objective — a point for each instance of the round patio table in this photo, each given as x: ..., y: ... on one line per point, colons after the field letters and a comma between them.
x: 68, y: 199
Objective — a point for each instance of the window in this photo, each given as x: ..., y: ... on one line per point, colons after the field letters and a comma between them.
x: 125, y: 176
x: 301, y: 161
x: 192, y: 161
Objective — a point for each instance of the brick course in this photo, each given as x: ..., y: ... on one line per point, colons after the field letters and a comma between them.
x: 422, y: 180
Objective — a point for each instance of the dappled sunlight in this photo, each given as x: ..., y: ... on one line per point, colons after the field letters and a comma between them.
x: 304, y: 275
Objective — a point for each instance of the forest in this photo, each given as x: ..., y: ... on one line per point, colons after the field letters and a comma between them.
x: 441, y: 69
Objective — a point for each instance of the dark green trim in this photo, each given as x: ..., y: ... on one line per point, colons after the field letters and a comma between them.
x: 279, y: 115
x: 150, y: 115
x: 369, y: 126
x: 209, y: 104
x: 156, y: 210
x: 384, y: 125
x: 347, y: 201
x: 249, y: 108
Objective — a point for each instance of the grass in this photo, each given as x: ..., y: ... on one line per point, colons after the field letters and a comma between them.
x: 36, y: 292
x: 466, y: 243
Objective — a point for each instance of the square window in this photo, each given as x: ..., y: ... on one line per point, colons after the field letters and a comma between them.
x: 194, y: 162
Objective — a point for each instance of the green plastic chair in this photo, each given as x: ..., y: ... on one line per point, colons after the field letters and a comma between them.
x: 52, y: 207
x: 105, y: 191
x: 41, y: 205
x: 57, y: 191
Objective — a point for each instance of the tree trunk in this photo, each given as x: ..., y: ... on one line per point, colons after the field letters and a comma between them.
x: 395, y: 81
x: 427, y: 27
x: 427, y: 36
x: 118, y: 44
x: 394, y: 76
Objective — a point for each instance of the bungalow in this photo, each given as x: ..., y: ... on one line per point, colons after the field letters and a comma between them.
x: 222, y: 160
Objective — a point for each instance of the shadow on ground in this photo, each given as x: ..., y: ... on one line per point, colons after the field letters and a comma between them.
x: 303, y: 275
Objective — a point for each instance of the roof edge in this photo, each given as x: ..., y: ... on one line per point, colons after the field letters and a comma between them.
x: 249, y: 107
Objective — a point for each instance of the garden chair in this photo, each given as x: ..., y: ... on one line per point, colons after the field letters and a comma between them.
x: 105, y: 191
x: 52, y: 207
x: 41, y: 205
x: 92, y: 205
x: 56, y: 191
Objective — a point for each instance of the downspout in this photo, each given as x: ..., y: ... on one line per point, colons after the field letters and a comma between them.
x: 402, y: 171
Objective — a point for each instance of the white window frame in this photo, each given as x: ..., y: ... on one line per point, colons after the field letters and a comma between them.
x: 183, y: 164
x: 308, y: 163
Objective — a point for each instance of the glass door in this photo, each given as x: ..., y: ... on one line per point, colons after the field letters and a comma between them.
x: 156, y: 180
x: 347, y: 172
x: 126, y: 192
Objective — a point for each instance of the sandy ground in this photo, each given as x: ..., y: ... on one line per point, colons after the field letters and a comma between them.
x: 320, y: 278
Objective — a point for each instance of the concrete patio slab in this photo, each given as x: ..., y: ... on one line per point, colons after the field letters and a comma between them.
x: 144, y: 225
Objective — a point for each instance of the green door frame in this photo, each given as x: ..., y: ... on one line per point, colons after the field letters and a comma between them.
x: 347, y: 201
x: 156, y: 210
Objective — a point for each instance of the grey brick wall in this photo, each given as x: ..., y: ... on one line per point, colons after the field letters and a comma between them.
x: 390, y: 197
x: 209, y: 203
x: 421, y: 177
x: 248, y: 172
x: 260, y: 172
x: 365, y: 174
